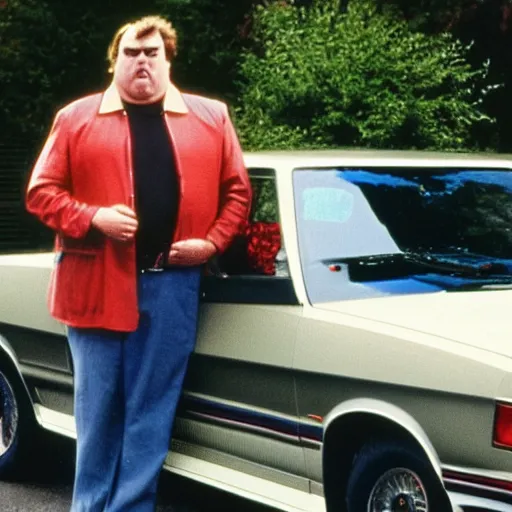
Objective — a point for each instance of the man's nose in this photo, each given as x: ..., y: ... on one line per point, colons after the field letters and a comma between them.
x: 141, y: 58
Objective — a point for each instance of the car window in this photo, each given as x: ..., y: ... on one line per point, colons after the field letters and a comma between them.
x: 259, y: 249
x: 384, y: 231
x: 254, y: 268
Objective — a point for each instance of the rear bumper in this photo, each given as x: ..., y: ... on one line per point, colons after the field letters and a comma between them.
x: 467, y: 503
x: 474, y: 490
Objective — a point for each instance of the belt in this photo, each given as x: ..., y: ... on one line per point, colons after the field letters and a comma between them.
x: 151, y: 269
x: 152, y: 263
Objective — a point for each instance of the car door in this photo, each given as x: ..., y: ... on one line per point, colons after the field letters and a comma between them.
x: 239, y: 405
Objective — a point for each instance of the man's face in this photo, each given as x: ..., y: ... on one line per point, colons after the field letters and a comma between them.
x: 141, y: 71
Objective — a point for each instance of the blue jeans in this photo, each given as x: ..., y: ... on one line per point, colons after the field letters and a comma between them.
x: 127, y: 386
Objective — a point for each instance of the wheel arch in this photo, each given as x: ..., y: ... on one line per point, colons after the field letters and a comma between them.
x: 353, y: 423
x: 9, y: 362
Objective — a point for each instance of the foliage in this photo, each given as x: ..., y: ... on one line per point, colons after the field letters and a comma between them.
x: 50, y: 52
x: 264, y: 201
x: 53, y: 51
x: 442, y: 15
x: 211, y: 35
x: 319, y: 77
x: 27, y: 69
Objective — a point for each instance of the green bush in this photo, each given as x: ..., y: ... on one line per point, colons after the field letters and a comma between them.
x: 211, y: 34
x: 321, y: 78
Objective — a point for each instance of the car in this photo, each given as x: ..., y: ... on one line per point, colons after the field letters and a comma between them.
x: 354, y: 344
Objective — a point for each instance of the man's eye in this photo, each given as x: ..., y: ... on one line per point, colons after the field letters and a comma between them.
x: 152, y: 53
x: 129, y: 52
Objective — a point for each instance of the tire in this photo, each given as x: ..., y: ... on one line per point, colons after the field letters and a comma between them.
x: 16, y: 424
x: 392, y: 476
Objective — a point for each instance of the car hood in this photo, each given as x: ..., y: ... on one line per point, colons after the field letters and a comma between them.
x: 482, y: 319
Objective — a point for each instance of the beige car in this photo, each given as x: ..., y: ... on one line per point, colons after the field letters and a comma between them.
x: 354, y: 350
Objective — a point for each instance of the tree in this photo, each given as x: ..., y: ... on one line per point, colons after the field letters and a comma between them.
x: 485, y: 25
x: 30, y: 39
x: 211, y: 36
x: 320, y: 77
x: 51, y: 52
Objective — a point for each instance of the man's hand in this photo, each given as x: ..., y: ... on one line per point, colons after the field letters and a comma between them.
x: 118, y: 222
x: 194, y: 251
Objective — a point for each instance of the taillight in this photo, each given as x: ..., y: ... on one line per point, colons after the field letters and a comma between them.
x: 503, y: 426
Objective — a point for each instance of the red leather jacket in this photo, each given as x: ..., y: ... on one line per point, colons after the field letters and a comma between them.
x: 86, y: 163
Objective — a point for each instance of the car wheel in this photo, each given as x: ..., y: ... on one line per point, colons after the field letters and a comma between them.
x: 392, y: 477
x: 14, y: 423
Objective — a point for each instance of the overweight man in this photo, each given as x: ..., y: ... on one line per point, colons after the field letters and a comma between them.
x: 142, y: 185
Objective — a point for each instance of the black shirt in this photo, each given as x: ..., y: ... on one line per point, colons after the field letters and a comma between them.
x: 155, y: 181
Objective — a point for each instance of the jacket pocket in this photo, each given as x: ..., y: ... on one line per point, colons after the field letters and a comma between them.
x: 79, y: 283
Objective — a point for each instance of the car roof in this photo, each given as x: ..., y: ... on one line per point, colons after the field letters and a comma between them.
x: 373, y: 158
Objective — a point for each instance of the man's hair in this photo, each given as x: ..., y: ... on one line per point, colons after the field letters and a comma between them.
x: 144, y: 27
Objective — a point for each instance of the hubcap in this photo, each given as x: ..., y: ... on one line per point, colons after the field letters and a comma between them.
x: 8, y: 415
x: 398, y: 490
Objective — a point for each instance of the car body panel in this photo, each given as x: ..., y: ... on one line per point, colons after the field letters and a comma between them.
x: 470, y: 318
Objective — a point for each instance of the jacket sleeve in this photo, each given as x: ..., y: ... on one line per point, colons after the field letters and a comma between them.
x: 49, y: 194
x: 234, y: 191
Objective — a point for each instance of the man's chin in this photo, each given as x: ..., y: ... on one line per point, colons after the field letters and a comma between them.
x: 142, y: 96
x: 140, y: 93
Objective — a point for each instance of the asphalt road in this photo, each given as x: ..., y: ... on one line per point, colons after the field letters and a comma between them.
x: 47, y: 486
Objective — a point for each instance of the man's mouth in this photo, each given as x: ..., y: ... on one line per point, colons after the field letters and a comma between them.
x: 142, y: 73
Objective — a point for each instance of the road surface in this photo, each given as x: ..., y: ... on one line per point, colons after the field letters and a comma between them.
x: 47, y: 486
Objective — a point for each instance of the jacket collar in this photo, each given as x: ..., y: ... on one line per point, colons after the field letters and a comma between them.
x: 173, y: 101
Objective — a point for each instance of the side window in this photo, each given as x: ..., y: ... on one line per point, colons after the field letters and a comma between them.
x: 254, y: 269
x: 259, y: 250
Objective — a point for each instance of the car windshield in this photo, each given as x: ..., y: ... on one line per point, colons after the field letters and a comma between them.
x: 373, y: 232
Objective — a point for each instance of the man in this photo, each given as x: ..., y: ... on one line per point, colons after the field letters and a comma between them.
x: 142, y: 185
